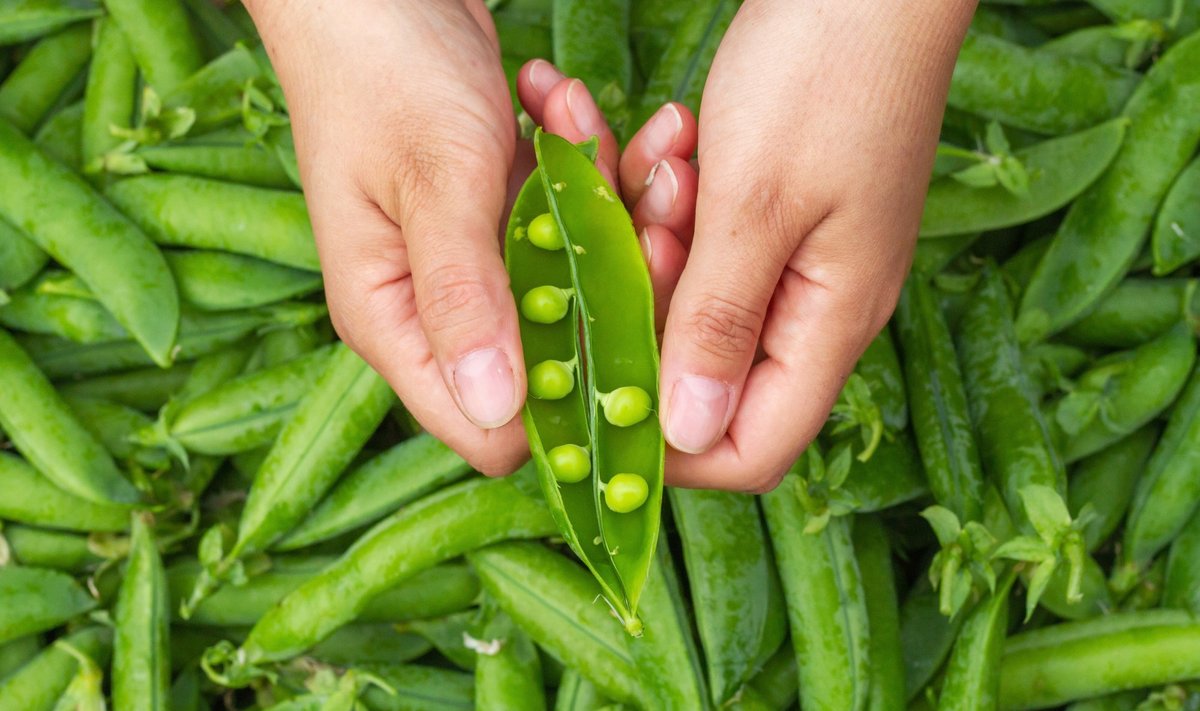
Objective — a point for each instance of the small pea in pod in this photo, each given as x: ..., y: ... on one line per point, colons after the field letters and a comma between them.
x: 578, y: 273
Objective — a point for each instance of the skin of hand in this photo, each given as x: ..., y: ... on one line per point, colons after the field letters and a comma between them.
x: 408, y: 153
x: 818, y: 133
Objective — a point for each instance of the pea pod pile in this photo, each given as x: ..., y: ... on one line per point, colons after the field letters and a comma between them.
x: 208, y: 501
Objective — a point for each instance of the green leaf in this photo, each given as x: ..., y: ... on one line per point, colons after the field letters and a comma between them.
x: 1077, y: 410
x: 1013, y: 176
x: 1037, y: 584
x: 1046, y: 511
x: 995, y: 140
x: 839, y: 469
x: 1023, y: 548
x: 944, y: 523
x: 817, y: 522
x: 212, y: 547
x: 980, y: 175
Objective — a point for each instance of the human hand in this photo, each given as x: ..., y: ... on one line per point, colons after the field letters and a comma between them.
x: 818, y: 135
x: 406, y: 139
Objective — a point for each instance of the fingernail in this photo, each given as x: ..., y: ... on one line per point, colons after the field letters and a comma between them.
x: 663, y: 130
x: 584, y: 113
x: 543, y: 76
x: 484, y: 380
x: 647, y: 246
x: 664, y: 188
x: 696, y: 413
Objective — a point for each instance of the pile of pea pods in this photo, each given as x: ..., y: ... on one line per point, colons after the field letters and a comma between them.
x: 208, y: 502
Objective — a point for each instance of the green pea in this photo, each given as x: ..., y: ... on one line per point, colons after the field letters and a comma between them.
x: 545, y: 304
x: 551, y: 380
x: 569, y: 462
x: 626, y: 406
x: 625, y: 492
x: 543, y: 232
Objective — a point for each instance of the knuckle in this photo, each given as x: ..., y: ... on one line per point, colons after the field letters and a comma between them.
x: 763, y: 481
x: 723, y: 328
x: 455, y: 299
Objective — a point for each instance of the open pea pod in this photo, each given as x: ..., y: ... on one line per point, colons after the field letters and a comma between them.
x: 587, y: 328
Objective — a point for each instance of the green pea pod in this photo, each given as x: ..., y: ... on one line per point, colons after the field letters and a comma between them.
x: 111, y: 93
x: 1182, y: 586
x: 141, y: 665
x: 1124, y: 46
x: 683, y: 68
x: 43, y: 428
x: 219, y: 32
x: 231, y: 155
x: 1130, y: 389
x: 361, y: 643
x: 330, y: 425
x: 826, y: 604
x: 160, y: 38
x: 879, y: 365
x: 1176, y: 236
x: 576, y: 693
x: 616, y: 339
x: 30, y: 92
x: 1097, y: 657
x: 883, y: 613
x: 379, y: 486
x: 16, y: 653
x: 413, y: 686
x: 1034, y: 90
x: 926, y: 635
x: 243, y: 413
x: 938, y: 402
x: 972, y: 678
x: 554, y: 602
x: 60, y: 136
x: 438, y: 591
x: 734, y: 586
x: 1134, y: 312
x: 1007, y: 25
x: 145, y: 389
x: 934, y: 255
x: 214, y: 92
x: 1122, y: 701
x: 892, y: 476
x: 1059, y: 170
x: 115, y: 427
x: 36, y: 600
x: 93, y: 240
x: 508, y: 675
x: 441, y: 526
x: 81, y: 320
x: 1166, y: 493
x: 20, y: 258
x: 1106, y: 226
x: 186, y: 693
x: 38, y: 685
x: 1181, y: 17
x: 22, y: 20
x: 1106, y: 481
x: 666, y: 653
x: 446, y: 635
x: 31, y: 498
x: 45, y: 548
x: 185, y: 211
x: 200, y: 334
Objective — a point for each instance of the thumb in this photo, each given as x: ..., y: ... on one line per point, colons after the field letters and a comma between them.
x: 461, y: 288
x: 711, y: 336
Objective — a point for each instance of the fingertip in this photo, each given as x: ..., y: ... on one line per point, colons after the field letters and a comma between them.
x: 696, y: 412
x: 670, y: 132
x: 535, y: 81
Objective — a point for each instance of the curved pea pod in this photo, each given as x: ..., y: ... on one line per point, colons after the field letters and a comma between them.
x: 186, y: 211
x: 93, y: 240
x: 554, y: 601
x: 1059, y: 169
x: 1106, y: 481
x: 381, y: 485
x: 24, y: 20
x: 1124, y: 46
x: 32, y: 499
x: 223, y: 155
x: 508, y: 675
x: 437, y: 591
x: 32, y: 310
x: 141, y: 662
x: 1181, y: 21
x: 36, y: 600
x: 1176, y: 235
x: 330, y: 425
x: 1038, y: 91
x: 683, y: 68
x: 1182, y: 585
x: 43, y: 428
x: 879, y: 587
x: 243, y: 413
x: 38, y: 685
x: 111, y: 93
x: 1125, y: 391
x: 146, y: 389
x: 60, y: 136
x: 872, y: 402
x: 972, y: 680
x: 30, y: 92
x: 115, y: 427
x: 734, y: 586
x: 44, y: 548
x: 160, y: 38
x: 1166, y: 493
x: 827, y: 609
x: 456, y: 520
x: 1136, y: 311
x: 1078, y: 660
x: 446, y: 635
x: 20, y: 258
x: 1107, y: 224
x: 364, y: 643
x: 892, y: 476
x: 938, y: 403
x: 934, y: 255
x: 414, y: 686
x: 926, y: 636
